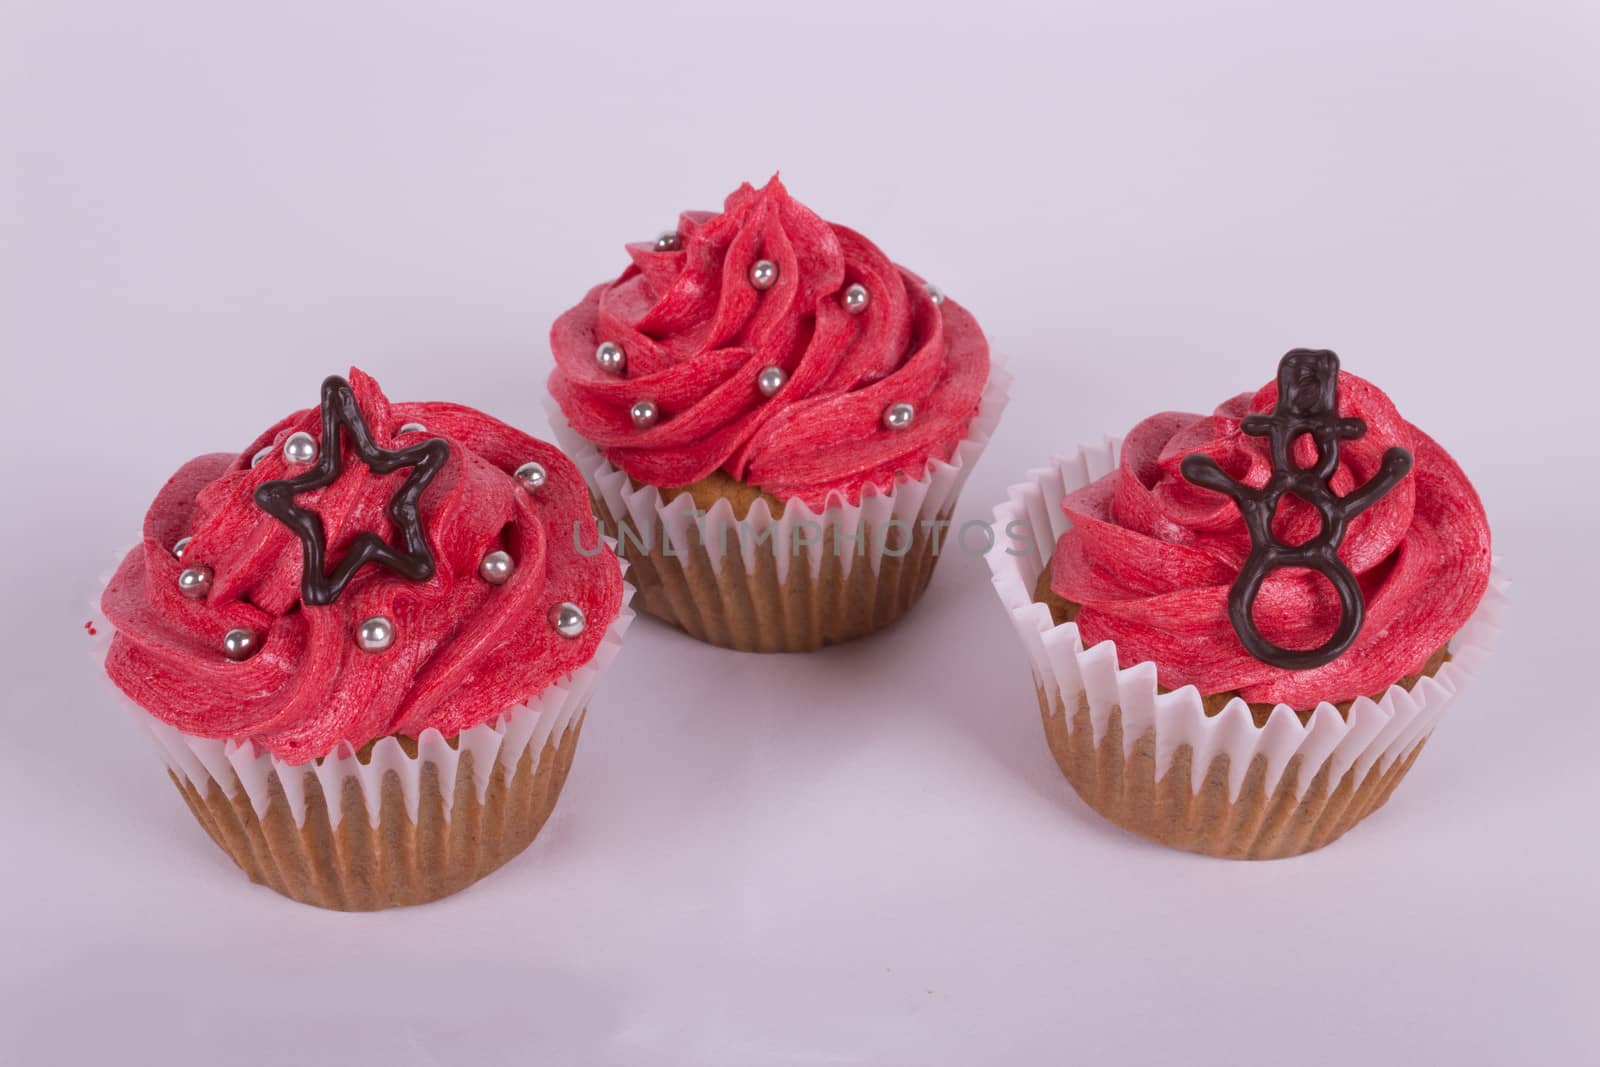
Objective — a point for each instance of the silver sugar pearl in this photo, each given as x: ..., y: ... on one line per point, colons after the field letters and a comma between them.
x: 610, y: 357
x: 856, y: 298
x: 261, y: 453
x: 413, y: 427
x: 195, y: 582
x: 644, y: 413
x: 375, y: 634
x: 238, y: 644
x: 668, y: 241
x: 934, y: 294
x: 532, y: 475
x: 763, y: 273
x: 899, y: 416
x: 496, y: 568
x: 181, y: 546
x: 770, y: 380
x: 567, y: 618
x: 300, y: 447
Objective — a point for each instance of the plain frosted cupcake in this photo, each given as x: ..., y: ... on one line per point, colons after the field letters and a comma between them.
x: 365, y: 644
x: 1243, y: 626
x: 775, y: 421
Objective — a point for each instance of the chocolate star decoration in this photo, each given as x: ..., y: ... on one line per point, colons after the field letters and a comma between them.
x: 1308, y: 403
x: 276, y: 498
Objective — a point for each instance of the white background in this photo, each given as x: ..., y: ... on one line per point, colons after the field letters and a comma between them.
x: 867, y: 855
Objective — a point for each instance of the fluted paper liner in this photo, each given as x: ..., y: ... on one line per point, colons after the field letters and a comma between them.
x: 735, y: 583
x: 399, y: 822
x: 1157, y: 764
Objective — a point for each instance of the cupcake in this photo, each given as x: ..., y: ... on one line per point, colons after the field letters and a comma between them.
x: 1243, y: 626
x: 775, y: 421
x: 365, y: 644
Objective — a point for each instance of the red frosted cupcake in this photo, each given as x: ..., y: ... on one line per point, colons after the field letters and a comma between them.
x: 365, y: 644
x: 776, y: 421
x: 1244, y: 625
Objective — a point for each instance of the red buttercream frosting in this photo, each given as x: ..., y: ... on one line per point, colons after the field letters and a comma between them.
x: 464, y: 651
x: 1150, y: 557
x: 697, y: 335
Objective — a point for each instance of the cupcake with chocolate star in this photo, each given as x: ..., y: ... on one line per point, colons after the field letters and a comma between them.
x: 1243, y: 626
x: 365, y: 644
x: 775, y: 421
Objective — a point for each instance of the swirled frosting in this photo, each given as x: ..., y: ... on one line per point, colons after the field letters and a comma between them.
x: 697, y: 334
x: 1150, y: 557
x: 464, y: 650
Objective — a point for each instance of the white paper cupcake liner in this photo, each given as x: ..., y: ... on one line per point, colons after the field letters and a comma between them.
x: 1375, y: 735
x: 235, y: 766
x: 800, y: 529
